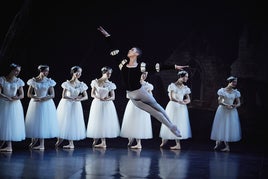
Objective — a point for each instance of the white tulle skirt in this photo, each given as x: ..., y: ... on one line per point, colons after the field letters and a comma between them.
x: 179, y: 116
x: 12, y: 126
x: 103, y: 120
x: 71, y: 120
x: 136, y: 123
x: 226, y: 125
x: 41, y: 120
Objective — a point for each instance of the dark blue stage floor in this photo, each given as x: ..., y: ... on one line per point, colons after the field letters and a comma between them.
x: 195, y: 160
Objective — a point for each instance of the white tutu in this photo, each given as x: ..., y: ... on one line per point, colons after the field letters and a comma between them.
x: 178, y: 115
x: 41, y: 120
x: 41, y: 117
x: 226, y: 124
x: 103, y: 120
x: 70, y: 113
x: 71, y: 120
x: 12, y: 126
x: 136, y: 123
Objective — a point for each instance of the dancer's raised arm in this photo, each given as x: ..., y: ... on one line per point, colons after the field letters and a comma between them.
x: 104, y: 32
x: 113, y: 51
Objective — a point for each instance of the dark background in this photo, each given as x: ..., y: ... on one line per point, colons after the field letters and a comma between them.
x: 62, y: 34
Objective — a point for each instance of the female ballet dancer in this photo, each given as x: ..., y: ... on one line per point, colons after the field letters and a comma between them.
x: 70, y: 111
x: 103, y: 120
x: 12, y: 127
x: 177, y: 109
x: 41, y: 117
x: 226, y: 125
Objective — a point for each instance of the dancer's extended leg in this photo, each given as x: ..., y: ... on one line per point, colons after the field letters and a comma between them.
x: 146, y: 102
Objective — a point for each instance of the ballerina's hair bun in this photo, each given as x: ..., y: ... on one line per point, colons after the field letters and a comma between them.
x: 74, y: 69
x: 231, y: 78
x: 105, y: 69
x: 182, y: 73
x: 42, y: 67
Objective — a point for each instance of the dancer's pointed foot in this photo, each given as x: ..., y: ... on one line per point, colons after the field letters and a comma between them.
x: 7, y: 149
x: 175, y: 131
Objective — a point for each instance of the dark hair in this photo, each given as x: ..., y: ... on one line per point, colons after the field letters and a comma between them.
x: 41, y: 68
x: 105, y: 69
x: 231, y: 79
x: 13, y: 66
x: 182, y: 73
x: 74, y: 69
x: 139, y: 51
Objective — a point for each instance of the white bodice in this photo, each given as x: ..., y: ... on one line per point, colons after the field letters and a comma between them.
x: 229, y: 97
x: 179, y: 93
x: 41, y: 87
x: 102, y: 91
x: 10, y: 88
x: 74, y: 91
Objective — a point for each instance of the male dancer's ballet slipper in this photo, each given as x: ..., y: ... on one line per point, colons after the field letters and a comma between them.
x: 175, y: 131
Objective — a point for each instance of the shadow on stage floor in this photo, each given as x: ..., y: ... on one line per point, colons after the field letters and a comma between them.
x: 195, y: 160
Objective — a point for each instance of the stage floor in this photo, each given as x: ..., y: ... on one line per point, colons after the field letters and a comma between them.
x: 194, y: 160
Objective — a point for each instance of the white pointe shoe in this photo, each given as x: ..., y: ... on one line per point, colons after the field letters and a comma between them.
x: 176, y: 147
x: 68, y: 147
x: 100, y: 146
x: 136, y: 147
x: 39, y: 148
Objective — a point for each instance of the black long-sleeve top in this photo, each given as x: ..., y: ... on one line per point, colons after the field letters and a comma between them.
x: 131, y: 75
